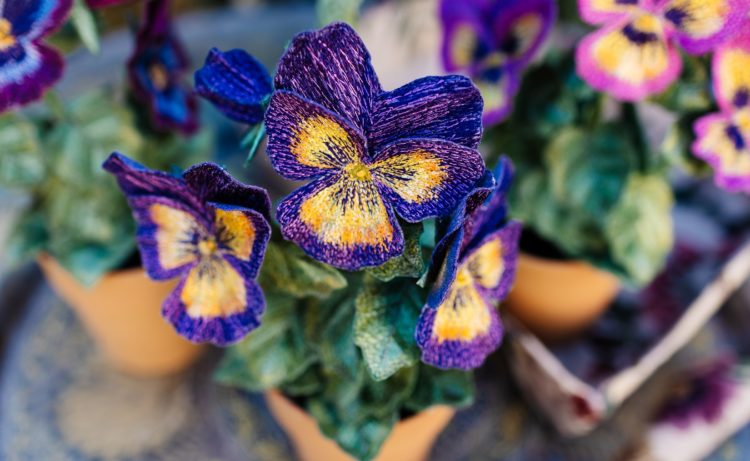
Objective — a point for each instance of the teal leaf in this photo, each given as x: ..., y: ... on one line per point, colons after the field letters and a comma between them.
x: 640, y: 227
x: 272, y: 355
x: 441, y: 387
x: 289, y: 270
x: 252, y: 140
x: 84, y: 22
x: 384, y: 326
x: 588, y: 170
x: 338, y: 10
x: 410, y: 263
x: 21, y: 164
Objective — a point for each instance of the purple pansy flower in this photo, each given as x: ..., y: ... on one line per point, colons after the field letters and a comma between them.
x: 27, y: 66
x: 723, y: 139
x: 492, y: 41
x: 236, y: 83
x: 702, y: 394
x: 634, y: 54
x: 209, y: 230
x: 370, y: 154
x: 155, y: 71
x: 475, y: 265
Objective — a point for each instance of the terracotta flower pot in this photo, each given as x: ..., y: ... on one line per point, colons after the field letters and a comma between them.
x: 410, y: 440
x: 122, y: 313
x: 557, y: 299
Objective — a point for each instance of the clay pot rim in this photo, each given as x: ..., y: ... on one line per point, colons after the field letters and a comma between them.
x: 44, y: 257
x: 276, y: 392
x: 550, y: 264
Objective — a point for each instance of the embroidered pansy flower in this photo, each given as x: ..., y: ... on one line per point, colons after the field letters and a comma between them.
x: 236, y: 84
x: 371, y: 155
x: 492, y: 41
x: 27, y: 66
x: 155, y: 71
x: 475, y: 263
x: 702, y: 394
x: 634, y: 54
x: 209, y: 230
x: 723, y: 139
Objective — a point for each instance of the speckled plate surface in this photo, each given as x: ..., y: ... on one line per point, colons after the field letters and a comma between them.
x: 60, y: 401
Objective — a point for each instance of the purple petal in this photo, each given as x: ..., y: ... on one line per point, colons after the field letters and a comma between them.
x: 155, y: 71
x: 461, y: 332
x: 493, y: 212
x: 493, y: 261
x: 702, y: 25
x: 200, y: 321
x: 135, y: 179
x: 332, y: 67
x: 305, y: 140
x: 465, y: 32
x: 426, y: 178
x: 341, y: 221
x: 168, y: 234
x: 236, y: 83
x: 26, y: 71
x: 499, y: 95
x: 243, y: 234
x: 444, y: 266
x: 448, y: 108
x: 521, y: 27
x: 214, y: 184
x: 33, y: 19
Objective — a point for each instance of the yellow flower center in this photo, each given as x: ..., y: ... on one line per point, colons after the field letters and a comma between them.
x: 359, y: 172
x: 463, y: 277
x: 6, y: 37
x: 648, y: 23
x: 207, y: 247
x: 158, y: 75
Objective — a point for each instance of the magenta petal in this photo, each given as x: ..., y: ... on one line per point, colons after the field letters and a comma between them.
x: 628, y: 82
x: 602, y: 12
x: 723, y: 145
x: 331, y: 67
x: 700, y: 29
x: 448, y: 108
x: 26, y: 71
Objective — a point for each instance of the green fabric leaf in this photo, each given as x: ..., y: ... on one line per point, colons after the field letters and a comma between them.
x: 80, y: 215
x: 286, y: 268
x: 384, y: 327
x: 692, y: 92
x: 588, y: 170
x: 441, y: 387
x: 252, y: 140
x: 410, y: 263
x: 640, y: 227
x: 84, y: 22
x: 338, y: 10
x: 677, y: 146
x: 272, y: 355
x: 20, y: 163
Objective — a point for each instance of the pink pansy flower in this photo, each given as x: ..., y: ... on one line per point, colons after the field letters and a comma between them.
x: 635, y: 52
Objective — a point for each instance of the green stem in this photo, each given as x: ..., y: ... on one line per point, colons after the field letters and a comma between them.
x: 631, y: 118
